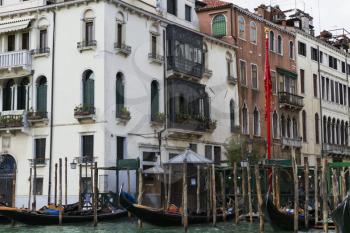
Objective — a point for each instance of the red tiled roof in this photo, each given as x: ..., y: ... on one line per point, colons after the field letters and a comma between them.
x: 215, y: 3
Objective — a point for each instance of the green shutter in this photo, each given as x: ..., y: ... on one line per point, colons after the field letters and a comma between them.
x: 219, y: 26
x: 154, y: 99
x: 41, y: 98
x: 119, y: 95
x: 88, y: 92
x: 7, y: 94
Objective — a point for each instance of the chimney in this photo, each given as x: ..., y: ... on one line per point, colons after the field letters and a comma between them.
x: 261, y: 11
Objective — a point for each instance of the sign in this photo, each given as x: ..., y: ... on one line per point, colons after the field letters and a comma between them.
x: 128, y: 164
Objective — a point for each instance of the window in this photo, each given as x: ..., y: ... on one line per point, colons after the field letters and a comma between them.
x: 321, y: 57
x: 327, y: 88
x: 315, y: 84
x: 279, y: 45
x: 283, y: 126
x: 302, y: 48
x: 289, y: 125
x: 335, y: 92
x: 302, y: 81
x: 120, y: 148
x: 323, y: 86
x: 256, y: 116
x: 253, y: 32
x: 188, y: 13
x: 341, y: 98
x: 208, y: 152
x: 344, y: 92
x: 317, y: 130
x: 25, y: 41
x: 38, y: 189
x: 332, y: 91
x: 333, y: 62
x: 314, y: 54
x: 291, y: 50
x: 22, y: 94
x: 241, y: 27
x: 88, y: 89
x: 275, y: 124
x: 343, y: 67
x: 245, y: 120
x: 217, y: 154
x: 295, y: 128
x: 219, y: 26
x: 154, y: 45
x: 304, y: 126
x: 89, y: 27
x: 43, y: 39
x: 243, y: 73
x: 171, y: 6
x: 39, y: 150
x: 11, y: 43
x: 229, y: 64
x: 274, y: 82
x: 193, y: 147
x: 119, y: 35
x: 41, y: 95
x: 8, y: 96
x: 154, y: 99
x: 87, y: 185
x: 254, y: 76
x: 119, y: 93
x: 232, y: 116
x: 87, y: 146
x: 272, y: 41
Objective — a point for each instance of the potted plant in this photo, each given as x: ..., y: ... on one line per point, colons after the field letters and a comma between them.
x: 84, y: 110
x: 212, y: 125
x: 159, y: 118
x: 124, y: 114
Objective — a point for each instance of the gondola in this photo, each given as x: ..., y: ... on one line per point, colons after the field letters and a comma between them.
x: 341, y: 215
x: 160, y: 217
x: 42, y: 218
x: 282, y: 220
x: 4, y: 220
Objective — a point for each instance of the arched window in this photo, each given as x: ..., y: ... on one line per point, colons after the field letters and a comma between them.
x: 253, y: 32
x: 291, y: 50
x: 41, y: 95
x: 333, y: 131
x: 283, y: 125
x: 89, y: 34
x: 325, y: 125
x: 119, y: 93
x: 304, y: 126
x: 219, y: 26
x: 22, y: 94
x: 338, y: 132
x: 295, y: 128
x: 88, y: 89
x: 346, y: 133
x: 289, y: 125
x: 7, y: 96
x: 256, y: 116
x: 120, y: 30
x: 245, y: 120
x: 275, y: 124
x: 272, y: 41
x: 229, y: 64
x: 279, y: 44
x: 232, y: 115
x: 317, y: 131
x: 154, y: 99
x: 241, y: 27
x: 342, y: 132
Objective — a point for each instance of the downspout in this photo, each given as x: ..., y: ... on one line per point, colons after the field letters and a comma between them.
x: 52, y: 103
x: 347, y: 100
x: 320, y: 94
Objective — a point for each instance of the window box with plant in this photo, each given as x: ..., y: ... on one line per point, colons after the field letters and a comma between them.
x: 84, y: 112
x: 11, y: 121
x: 36, y: 116
x: 124, y: 114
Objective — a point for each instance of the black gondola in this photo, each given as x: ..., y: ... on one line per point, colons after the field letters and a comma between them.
x: 282, y: 220
x: 40, y: 218
x: 341, y: 215
x: 160, y: 217
x: 4, y: 220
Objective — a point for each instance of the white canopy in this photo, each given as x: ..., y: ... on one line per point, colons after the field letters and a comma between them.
x: 154, y: 170
x: 15, y: 24
x: 191, y: 157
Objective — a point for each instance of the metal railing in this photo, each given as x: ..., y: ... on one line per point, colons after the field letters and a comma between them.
x: 123, y: 48
x: 186, y: 66
x: 191, y: 122
x: 84, y: 110
x: 156, y: 57
x: 37, y: 51
x: 85, y: 159
x: 38, y: 161
x: 87, y: 43
x: 11, y: 121
x: 207, y: 72
x: 15, y: 59
x: 336, y: 149
x: 231, y: 79
x: 36, y: 116
x: 292, y: 142
x: 290, y: 99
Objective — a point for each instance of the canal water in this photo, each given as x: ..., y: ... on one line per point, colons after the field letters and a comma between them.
x: 125, y: 226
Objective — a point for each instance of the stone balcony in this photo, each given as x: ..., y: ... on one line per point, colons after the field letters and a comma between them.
x: 122, y: 48
x: 16, y: 60
x: 290, y: 101
x: 291, y: 142
x: 13, y: 121
x: 336, y: 150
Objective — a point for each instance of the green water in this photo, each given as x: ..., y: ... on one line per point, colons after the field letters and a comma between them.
x: 125, y: 226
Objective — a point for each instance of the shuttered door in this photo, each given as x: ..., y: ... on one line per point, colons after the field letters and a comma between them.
x: 7, y: 94
x: 154, y: 100
x: 41, y: 98
x: 89, y: 92
x: 21, y: 97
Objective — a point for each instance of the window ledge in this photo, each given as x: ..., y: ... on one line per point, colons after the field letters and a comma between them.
x: 41, y: 55
x: 86, y: 48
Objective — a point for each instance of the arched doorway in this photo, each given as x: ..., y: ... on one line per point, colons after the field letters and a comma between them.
x: 7, y: 179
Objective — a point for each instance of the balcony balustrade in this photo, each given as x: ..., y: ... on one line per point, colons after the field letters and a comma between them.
x: 333, y: 149
x: 38, y: 162
x: 155, y: 58
x: 86, y: 45
x: 84, y: 113
x: 16, y: 59
x: 291, y: 142
x: 290, y: 101
x: 122, y: 48
x: 207, y: 73
x: 40, y: 51
x: 35, y: 117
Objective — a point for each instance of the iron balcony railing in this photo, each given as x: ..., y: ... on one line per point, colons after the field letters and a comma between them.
x: 11, y: 121
x: 84, y: 110
x: 292, y: 142
x: 207, y: 72
x: 37, y: 115
x: 87, y: 43
x: 290, y: 99
x: 186, y: 66
x: 122, y: 48
x: 156, y: 57
x: 232, y: 80
x: 38, y: 51
x: 16, y: 59
x: 191, y: 122
x: 85, y: 159
x: 38, y: 161
x: 336, y: 149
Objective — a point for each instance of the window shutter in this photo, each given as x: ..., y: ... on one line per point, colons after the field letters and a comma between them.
x: 119, y: 95
x: 219, y: 26
x: 42, y: 98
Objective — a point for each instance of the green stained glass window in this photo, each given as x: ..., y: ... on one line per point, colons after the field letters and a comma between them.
x: 219, y: 26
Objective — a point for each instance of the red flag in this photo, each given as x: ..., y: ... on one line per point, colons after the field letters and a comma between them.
x: 268, y: 94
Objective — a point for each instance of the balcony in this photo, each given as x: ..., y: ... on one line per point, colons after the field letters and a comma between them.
x: 155, y: 58
x: 84, y: 113
x: 207, y: 73
x: 41, y: 52
x: 35, y: 117
x: 16, y: 60
x: 336, y: 150
x: 122, y: 48
x: 182, y: 66
x: 290, y: 101
x: 38, y: 162
x: 86, y: 45
x: 85, y: 159
x: 231, y: 80
x: 291, y: 142
x: 12, y: 121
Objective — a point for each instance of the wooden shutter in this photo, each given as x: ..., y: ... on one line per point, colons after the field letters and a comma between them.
x: 41, y: 98
x: 154, y: 99
x: 119, y: 95
x: 88, y: 146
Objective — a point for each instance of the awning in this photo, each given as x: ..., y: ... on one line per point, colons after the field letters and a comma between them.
x: 15, y: 24
x: 286, y: 73
x: 189, y: 156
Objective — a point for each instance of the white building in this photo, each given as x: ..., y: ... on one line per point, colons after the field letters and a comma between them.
x: 88, y: 80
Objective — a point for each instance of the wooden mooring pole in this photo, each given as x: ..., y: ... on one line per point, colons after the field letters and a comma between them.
x: 55, y: 197
x: 223, y: 197
x: 139, y: 198
x: 316, y: 192
x: 80, y: 186
x: 129, y: 188
x: 343, y: 183
x: 250, y: 205
x: 235, y: 187
x: 335, y: 191
x: 208, y: 185
x: 65, y: 180
x: 60, y: 192
x: 214, y: 194
x: 324, y: 196
x: 184, y: 194
x: 198, y: 189
x: 34, y: 187
x: 260, y: 199
x: 30, y: 188
x: 296, y: 191
x: 95, y: 194
x: 169, y: 187
x: 306, y: 206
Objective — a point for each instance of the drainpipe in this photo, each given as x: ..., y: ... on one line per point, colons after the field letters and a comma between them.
x: 52, y: 102
x: 320, y: 94
x: 347, y: 83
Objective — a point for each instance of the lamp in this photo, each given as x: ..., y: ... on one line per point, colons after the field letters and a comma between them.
x: 73, y: 164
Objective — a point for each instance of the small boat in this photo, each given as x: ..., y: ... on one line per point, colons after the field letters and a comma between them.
x: 283, y: 220
x: 4, y: 220
x: 50, y: 218
x: 341, y: 215
x: 160, y: 217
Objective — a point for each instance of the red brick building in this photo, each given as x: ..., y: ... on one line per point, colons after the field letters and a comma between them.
x: 246, y: 30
